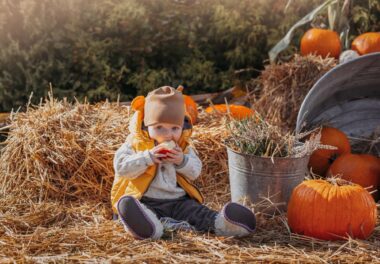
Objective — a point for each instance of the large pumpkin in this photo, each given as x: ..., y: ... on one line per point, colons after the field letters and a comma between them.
x: 321, y: 159
x: 367, y: 43
x: 362, y: 169
x: 321, y: 42
x: 237, y: 111
x: 331, y: 210
x: 191, y: 108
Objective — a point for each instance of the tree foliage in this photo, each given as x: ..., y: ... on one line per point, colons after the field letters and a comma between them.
x: 106, y: 48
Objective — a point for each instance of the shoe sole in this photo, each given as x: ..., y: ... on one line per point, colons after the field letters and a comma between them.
x: 240, y: 215
x: 134, y: 218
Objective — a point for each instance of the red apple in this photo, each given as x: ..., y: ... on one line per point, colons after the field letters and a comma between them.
x: 168, y: 146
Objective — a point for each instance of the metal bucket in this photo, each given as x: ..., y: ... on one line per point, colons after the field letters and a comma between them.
x: 259, y: 179
x: 348, y: 98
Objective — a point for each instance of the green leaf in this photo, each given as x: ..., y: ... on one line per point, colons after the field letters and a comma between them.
x: 344, y: 23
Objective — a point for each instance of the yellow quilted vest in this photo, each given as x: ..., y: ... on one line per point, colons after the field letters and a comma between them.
x: 140, y: 141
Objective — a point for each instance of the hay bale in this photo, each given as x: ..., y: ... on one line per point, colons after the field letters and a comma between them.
x: 59, y: 150
x: 62, y: 150
x: 284, y: 86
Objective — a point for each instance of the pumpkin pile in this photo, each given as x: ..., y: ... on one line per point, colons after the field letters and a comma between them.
x: 321, y: 159
x: 324, y: 42
x: 362, y: 169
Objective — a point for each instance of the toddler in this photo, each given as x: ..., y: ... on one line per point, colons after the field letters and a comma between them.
x: 154, y: 169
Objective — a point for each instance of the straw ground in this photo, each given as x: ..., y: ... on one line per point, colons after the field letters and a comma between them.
x: 54, y: 202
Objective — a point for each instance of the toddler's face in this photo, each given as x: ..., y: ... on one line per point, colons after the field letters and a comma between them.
x: 165, y: 132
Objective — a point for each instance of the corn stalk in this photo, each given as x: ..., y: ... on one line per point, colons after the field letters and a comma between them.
x: 338, y: 17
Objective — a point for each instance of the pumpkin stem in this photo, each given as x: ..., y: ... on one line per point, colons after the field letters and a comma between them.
x: 334, y: 180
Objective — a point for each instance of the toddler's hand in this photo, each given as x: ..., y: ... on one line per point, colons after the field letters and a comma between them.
x: 155, y: 155
x: 175, y: 156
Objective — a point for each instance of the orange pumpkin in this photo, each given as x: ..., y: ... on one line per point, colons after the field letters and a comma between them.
x: 361, y: 169
x: 367, y: 43
x: 321, y: 159
x: 375, y: 162
x: 331, y: 210
x: 375, y: 166
x: 237, y: 111
x: 321, y: 42
x: 191, y: 108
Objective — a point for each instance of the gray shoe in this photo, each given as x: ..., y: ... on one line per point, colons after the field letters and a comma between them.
x: 240, y: 215
x: 141, y: 222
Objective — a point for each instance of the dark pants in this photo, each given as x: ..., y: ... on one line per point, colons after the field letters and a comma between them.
x: 184, y: 208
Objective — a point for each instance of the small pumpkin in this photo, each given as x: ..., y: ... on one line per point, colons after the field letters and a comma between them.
x: 331, y: 210
x: 237, y: 111
x: 321, y: 159
x: 191, y: 108
x: 321, y: 42
x: 366, y: 43
x: 362, y: 169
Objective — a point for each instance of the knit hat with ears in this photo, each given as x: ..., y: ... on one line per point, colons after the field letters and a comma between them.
x: 164, y: 105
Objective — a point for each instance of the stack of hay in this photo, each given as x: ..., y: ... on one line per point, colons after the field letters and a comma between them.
x: 208, y: 136
x: 282, y: 88
x: 61, y: 151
